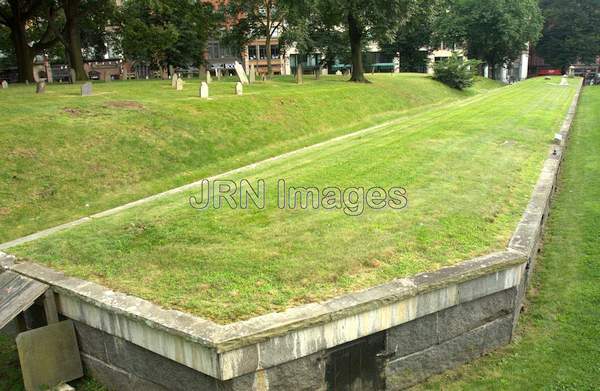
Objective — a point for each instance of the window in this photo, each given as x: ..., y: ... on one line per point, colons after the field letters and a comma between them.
x: 275, y: 51
x: 252, y: 52
x: 213, y: 49
x: 263, y: 52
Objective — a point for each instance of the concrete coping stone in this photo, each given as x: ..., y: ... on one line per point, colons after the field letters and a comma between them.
x: 235, y: 335
x: 529, y: 228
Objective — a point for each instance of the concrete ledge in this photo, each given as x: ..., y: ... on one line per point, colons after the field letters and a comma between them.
x: 228, y: 351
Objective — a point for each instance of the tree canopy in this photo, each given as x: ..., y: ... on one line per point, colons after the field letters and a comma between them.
x: 166, y: 32
x: 571, y: 32
x: 495, y: 31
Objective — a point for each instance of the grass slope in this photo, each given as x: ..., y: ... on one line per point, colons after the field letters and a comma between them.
x: 469, y: 168
x: 64, y: 156
x: 559, y: 343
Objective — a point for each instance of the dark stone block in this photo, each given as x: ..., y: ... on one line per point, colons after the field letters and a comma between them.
x: 413, y: 336
x: 304, y: 374
x: 114, y: 378
x: 92, y: 341
x: 459, y: 319
x: 415, y: 368
x: 155, y: 368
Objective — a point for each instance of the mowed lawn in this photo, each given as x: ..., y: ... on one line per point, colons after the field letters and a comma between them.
x: 559, y: 343
x: 65, y: 156
x: 468, y: 168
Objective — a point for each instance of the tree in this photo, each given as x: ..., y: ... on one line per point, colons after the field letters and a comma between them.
x: 414, y: 35
x: 166, y: 32
x: 455, y: 72
x: 30, y: 30
x: 253, y: 19
x: 363, y: 21
x: 496, y: 31
x: 571, y: 32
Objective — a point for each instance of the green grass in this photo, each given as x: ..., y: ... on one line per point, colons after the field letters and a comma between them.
x: 469, y: 168
x: 559, y: 343
x: 64, y: 156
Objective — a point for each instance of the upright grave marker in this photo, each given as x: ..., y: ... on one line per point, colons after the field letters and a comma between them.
x: 4, y: 84
x: 241, y: 74
x: 72, y: 75
x: 252, y: 74
x: 239, y: 89
x: 204, y: 90
x: 179, y: 84
x: 86, y: 89
x: 174, y: 79
x: 208, y: 77
x: 40, y: 87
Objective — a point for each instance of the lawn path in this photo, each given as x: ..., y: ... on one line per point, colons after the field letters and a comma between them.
x: 506, y: 92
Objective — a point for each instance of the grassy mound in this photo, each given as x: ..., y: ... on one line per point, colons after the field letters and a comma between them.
x: 65, y: 156
x: 468, y: 167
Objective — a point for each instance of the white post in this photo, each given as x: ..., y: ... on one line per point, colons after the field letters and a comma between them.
x: 486, y: 71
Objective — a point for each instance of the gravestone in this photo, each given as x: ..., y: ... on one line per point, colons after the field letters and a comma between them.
x: 338, y: 73
x: 204, y: 90
x: 4, y: 84
x: 72, y: 75
x: 564, y: 81
x: 40, y: 87
x: 27, y: 82
x: 218, y: 73
x: 264, y: 77
x: 239, y: 89
x: 208, y: 77
x: 86, y: 89
x: 179, y: 85
x: 49, y: 355
x: 241, y: 74
x: 252, y: 74
x: 107, y: 77
x: 174, y: 79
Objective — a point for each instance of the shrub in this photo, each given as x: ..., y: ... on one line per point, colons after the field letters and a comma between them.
x: 455, y: 71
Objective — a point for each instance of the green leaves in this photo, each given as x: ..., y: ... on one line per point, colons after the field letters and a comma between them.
x: 455, y: 71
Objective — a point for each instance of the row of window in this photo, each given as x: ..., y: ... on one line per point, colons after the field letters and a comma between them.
x: 259, y: 52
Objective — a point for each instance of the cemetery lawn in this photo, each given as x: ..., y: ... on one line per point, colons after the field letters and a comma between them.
x: 559, y: 343
x: 468, y: 168
x: 65, y: 156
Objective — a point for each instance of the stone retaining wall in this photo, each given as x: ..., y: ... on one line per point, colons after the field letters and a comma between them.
x: 388, y: 337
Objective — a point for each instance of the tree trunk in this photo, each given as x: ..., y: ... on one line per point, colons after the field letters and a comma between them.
x: 73, y: 37
x: 23, y: 52
x: 355, y: 32
x: 269, y: 59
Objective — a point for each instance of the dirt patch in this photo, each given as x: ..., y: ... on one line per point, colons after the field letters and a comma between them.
x: 72, y: 111
x: 124, y: 104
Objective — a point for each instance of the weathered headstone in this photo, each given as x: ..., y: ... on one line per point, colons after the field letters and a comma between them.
x: 239, y: 89
x: 208, y: 77
x: 263, y: 77
x: 107, y: 77
x: 241, y: 74
x: 338, y: 73
x: 564, y: 81
x: 86, y: 89
x: 49, y: 355
x: 27, y: 82
x: 40, y: 87
x: 252, y: 74
x: 204, y: 90
x: 4, y: 84
x: 72, y: 75
x: 218, y: 73
x: 174, y: 79
x: 179, y: 85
